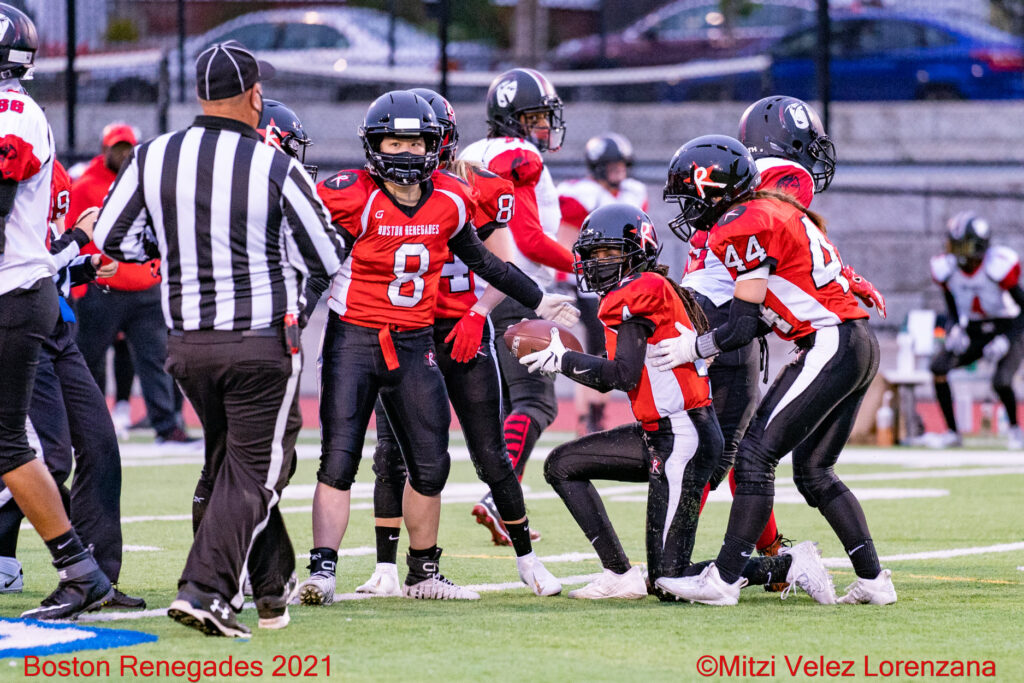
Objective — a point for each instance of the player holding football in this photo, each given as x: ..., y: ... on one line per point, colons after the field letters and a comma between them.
x: 794, y: 155
x: 609, y: 158
x: 464, y: 340
x: 524, y: 120
x: 399, y: 222
x: 984, y: 299
x: 789, y: 275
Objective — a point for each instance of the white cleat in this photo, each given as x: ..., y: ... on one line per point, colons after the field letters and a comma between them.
x: 707, y: 588
x: 808, y: 572
x: 121, y: 416
x: 940, y: 440
x: 384, y: 583
x: 1015, y: 439
x: 629, y: 585
x: 318, y: 589
x: 876, y: 591
x: 535, y: 575
x: 436, y: 587
x: 12, y: 579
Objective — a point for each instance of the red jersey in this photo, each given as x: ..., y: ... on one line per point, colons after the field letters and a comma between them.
x: 783, y: 175
x: 806, y: 290
x: 493, y: 202
x: 393, y: 270
x: 659, y: 394
x: 60, y: 192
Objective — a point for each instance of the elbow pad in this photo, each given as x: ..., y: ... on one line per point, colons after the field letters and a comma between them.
x: 739, y: 330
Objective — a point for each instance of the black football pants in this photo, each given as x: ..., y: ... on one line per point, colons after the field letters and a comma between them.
x: 474, y: 389
x: 245, y: 392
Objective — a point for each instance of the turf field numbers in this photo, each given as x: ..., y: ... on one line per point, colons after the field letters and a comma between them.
x: 301, y: 666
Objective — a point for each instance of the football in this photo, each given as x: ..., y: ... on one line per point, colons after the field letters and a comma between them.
x: 533, y: 335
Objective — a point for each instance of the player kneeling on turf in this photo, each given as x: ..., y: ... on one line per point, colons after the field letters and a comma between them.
x: 676, y: 441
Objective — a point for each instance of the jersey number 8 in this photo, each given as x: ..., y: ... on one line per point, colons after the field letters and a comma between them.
x: 402, y: 255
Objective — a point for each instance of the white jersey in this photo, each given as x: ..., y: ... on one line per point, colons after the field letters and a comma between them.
x: 26, y: 156
x: 578, y: 198
x: 981, y: 295
x: 520, y: 162
x: 705, y: 273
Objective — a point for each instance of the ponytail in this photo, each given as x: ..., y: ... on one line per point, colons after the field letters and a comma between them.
x: 461, y: 168
x: 815, y: 217
x: 693, y: 309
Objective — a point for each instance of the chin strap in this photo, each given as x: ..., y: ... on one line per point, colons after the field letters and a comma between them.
x: 8, y: 188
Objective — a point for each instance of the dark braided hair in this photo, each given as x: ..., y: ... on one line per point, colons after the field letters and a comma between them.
x: 693, y: 309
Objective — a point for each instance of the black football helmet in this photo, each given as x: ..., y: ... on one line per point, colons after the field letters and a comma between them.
x: 18, y: 43
x: 602, y: 150
x: 446, y: 117
x: 618, y: 226
x: 967, y: 238
x: 707, y: 175
x: 524, y: 91
x: 401, y: 113
x: 281, y: 128
x: 787, y: 127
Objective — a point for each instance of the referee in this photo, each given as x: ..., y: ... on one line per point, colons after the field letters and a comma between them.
x: 239, y: 228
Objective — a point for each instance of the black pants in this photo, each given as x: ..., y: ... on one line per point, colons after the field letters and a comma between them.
x: 474, y: 389
x: 809, y: 410
x: 102, y: 314
x: 353, y: 373
x: 27, y: 317
x: 245, y: 391
x: 980, y: 334
x: 734, y: 392
x: 69, y: 414
x: 675, y: 460
x: 530, y: 405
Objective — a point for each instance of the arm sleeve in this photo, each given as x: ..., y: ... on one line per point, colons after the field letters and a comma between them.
x: 622, y: 372
x: 320, y: 248
x: 530, y: 237
x: 573, y: 212
x: 123, y: 230
x: 504, y: 276
x: 738, y: 330
x: 66, y: 247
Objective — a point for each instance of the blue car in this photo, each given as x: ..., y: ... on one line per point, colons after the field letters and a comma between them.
x: 877, y: 55
x: 885, y: 55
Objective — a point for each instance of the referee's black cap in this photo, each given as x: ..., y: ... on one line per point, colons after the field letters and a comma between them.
x: 227, y: 69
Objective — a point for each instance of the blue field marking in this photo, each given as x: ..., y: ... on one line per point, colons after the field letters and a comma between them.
x: 21, y: 637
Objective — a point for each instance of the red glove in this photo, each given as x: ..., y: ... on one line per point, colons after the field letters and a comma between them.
x: 466, y: 335
x: 864, y: 290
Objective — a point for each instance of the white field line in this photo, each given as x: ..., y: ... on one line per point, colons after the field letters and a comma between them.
x: 583, y: 578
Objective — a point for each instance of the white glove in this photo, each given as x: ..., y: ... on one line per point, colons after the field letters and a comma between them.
x: 558, y: 308
x: 996, y: 349
x: 548, y: 359
x: 671, y: 353
x: 957, y: 340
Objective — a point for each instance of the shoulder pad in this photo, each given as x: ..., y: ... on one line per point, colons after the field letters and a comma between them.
x: 942, y: 266
x: 641, y: 295
x: 522, y: 166
x: 999, y: 262
x: 342, y: 179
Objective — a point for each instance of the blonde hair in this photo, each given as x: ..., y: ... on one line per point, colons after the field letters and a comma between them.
x: 462, y: 168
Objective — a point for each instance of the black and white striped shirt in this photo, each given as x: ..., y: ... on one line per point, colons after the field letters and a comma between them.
x: 238, y: 225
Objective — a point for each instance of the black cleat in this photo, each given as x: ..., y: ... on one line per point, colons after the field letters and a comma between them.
x: 206, y: 612
x: 82, y: 586
x: 120, y: 601
x: 273, y: 609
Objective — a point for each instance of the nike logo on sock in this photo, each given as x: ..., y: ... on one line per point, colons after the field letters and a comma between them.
x: 744, y: 554
x: 393, y: 538
x: 851, y: 552
x: 9, y: 583
x: 580, y: 372
x: 62, y: 545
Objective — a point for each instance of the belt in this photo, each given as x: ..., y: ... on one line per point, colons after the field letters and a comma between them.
x: 226, y: 335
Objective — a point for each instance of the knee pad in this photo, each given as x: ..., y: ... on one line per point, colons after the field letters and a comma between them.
x: 754, y: 476
x: 428, y: 479
x: 553, y: 471
x: 818, y: 487
x: 388, y: 465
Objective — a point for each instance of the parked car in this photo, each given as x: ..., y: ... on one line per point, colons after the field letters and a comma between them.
x: 880, y: 55
x: 290, y: 39
x: 682, y: 31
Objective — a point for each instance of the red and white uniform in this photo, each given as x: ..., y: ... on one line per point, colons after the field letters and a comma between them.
x: 390, y: 278
x: 806, y: 290
x: 493, y: 202
x: 982, y: 294
x: 60, y: 192
x: 659, y: 394
x: 578, y: 198
x: 704, y: 272
x: 535, y: 222
x: 26, y: 156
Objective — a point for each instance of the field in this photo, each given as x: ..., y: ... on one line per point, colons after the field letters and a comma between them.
x: 948, y: 524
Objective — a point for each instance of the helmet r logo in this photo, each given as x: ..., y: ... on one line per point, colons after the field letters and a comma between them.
x: 699, y: 177
x: 506, y: 92
x: 647, y: 235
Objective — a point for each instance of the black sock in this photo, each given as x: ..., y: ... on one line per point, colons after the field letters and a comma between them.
x: 65, y: 549
x: 865, y: 559
x: 323, y: 560
x: 424, y: 554
x: 387, y: 543
x: 1009, y: 401
x: 733, y: 557
x: 761, y: 571
x: 846, y: 517
x: 945, y: 398
x: 520, y: 535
